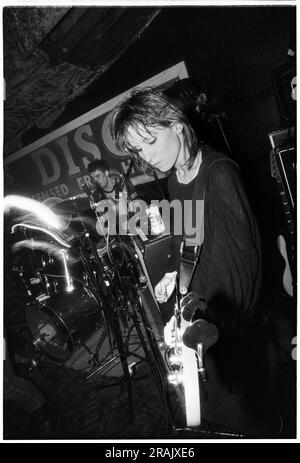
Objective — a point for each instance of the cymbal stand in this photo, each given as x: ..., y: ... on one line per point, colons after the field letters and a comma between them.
x: 105, y: 289
x: 95, y: 284
x: 141, y: 323
x: 95, y: 356
x: 115, y: 291
x: 111, y: 311
x: 93, y: 275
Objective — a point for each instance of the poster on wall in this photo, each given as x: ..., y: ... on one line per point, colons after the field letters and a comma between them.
x: 56, y: 164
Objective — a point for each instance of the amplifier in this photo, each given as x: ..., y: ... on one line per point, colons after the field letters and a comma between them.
x: 157, y: 257
x: 281, y: 137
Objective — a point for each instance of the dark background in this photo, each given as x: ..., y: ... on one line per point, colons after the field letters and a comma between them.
x: 234, y: 55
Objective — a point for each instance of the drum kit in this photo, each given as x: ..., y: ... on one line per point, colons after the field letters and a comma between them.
x: 73, y: 282
x: 78, y: 291
x: 73, y: 285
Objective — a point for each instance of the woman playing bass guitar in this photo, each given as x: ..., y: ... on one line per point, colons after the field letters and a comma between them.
x: 156, y: 129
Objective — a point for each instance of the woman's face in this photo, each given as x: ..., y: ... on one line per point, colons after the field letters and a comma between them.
x: 161, y: 147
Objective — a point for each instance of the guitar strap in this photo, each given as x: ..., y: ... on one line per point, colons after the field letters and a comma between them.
x: 190, y: 252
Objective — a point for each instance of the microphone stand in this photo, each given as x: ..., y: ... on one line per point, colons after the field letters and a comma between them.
x: 115, y: 291
x: 137, y: 313
x: 106, y: 290
x: 140, y: 319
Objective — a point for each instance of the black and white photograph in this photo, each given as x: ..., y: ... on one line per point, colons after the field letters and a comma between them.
x: 149, y: 224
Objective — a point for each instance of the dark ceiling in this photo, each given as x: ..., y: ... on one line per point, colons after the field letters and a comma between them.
x: 59, y: 63
x: 53, y: 54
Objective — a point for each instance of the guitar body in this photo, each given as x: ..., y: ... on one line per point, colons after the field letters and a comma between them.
x: 287, y: 279
x: 220, y: 401
x: 191, y: 387
x: 183, y: 370
x: 282, y: 163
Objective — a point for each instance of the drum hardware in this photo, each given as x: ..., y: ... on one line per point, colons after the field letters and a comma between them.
x: 57, y: 236
x: 112, y: 316
x: 20, y: 272
x: 100, y: 276
x: 137, y: 315
x: 102, y: 270
x: 63, y: 322
x: 144, y: 331
x: 50, y: 276
x: 69, y: 208
x: 103, y: 366
x: 60, y: 320
x: 69, y: 284
x: 37, y: 287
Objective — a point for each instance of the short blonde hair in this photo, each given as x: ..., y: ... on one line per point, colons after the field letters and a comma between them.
x: 149, y: 108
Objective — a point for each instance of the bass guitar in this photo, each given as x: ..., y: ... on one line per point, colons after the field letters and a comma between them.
x: 283, y: 169
x: 181, y: 345
x: 186, y: 343
x: 187, y: 340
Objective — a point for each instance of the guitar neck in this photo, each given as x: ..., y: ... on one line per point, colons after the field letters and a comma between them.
x: 283, y: 171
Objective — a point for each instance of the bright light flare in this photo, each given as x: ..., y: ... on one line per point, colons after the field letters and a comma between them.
x: 69, y: 286
x: 40, y: 210
x: 175, y: 359
x: 175, y: 377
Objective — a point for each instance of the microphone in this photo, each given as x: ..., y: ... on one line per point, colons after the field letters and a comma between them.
x: 90, y: 194
x: 118, y: 187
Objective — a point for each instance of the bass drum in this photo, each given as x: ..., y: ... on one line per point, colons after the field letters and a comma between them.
x: 60, y: 324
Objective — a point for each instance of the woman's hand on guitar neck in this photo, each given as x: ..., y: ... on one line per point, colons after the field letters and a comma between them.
x: 165, y: 287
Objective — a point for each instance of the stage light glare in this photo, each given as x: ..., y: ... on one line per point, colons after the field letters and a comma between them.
x: 40, y: 210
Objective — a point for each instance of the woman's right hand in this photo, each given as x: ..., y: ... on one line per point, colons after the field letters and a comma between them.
x: 165, y: 287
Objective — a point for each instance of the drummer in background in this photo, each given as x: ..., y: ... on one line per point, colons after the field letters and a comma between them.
x: 106, y: 184
x: 111, y: 186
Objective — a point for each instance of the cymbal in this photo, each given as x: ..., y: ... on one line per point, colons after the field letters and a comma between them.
x: 69, y: 208
x: 73, y: 205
